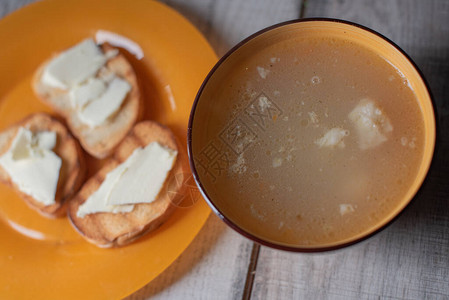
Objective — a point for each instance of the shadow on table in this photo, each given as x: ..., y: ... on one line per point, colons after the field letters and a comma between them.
x: 203, y: 243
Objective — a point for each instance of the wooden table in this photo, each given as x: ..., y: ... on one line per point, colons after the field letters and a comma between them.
x: 408, y: 260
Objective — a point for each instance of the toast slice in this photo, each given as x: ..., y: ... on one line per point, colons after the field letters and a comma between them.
x: 73, y: 167
x: 118, y: 229
x: 98, y: 141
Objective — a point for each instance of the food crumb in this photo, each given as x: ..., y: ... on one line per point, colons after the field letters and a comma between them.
x: 240, y: 166
x: 371, y: 123
x: 404, y: 141
x: 333, y: 138
x: 257, y: 213
x: 264, y: 103
x: 277, y: 162
x: 263, y: 72
x: 315, y: 80
x: 313, y: 117
x: 346, y: 208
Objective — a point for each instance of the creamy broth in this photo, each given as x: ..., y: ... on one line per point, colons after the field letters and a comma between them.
x: 309, y: 141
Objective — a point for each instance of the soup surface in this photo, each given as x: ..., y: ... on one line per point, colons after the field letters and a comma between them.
x: 308, y: 140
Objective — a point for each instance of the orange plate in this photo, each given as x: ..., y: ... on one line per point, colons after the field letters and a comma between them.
x: 56, y: 262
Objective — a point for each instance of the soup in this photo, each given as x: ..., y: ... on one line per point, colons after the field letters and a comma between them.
x: 309, y: 140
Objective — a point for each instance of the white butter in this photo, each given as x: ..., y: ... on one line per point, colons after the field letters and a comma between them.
x: 94, y: 93
x: 97, y: 202
x: 81, y: 95
x: 97, y: 111
x: 32, y: 166
x: 139, y: 179
x: 74, y: 65
x: 46, y: 139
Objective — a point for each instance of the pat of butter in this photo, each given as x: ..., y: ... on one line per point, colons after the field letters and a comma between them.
x: 96, y: 111
x: 32, y: 166
x: 81, y: 95
x: 79, y: 71
x: 75, y: 65
x: 97, y: 202
x: 139, y: 179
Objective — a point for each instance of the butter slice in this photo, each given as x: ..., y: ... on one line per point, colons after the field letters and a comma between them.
x: 32, y: 166
x: 139, y: 179
x: 98, y: 110
x: 45, y: 139
x: 74, y: 65
x: 145, y: 176
x: 93, y: 98
x: 97, y: 202
x: 81, y: 95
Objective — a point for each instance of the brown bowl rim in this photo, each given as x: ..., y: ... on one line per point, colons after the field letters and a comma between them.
x: 251, y: 236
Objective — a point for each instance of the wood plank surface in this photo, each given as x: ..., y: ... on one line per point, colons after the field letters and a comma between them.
x: 409, y: 259
x: 8, y: 6
x: 214, y: 266
x: 225, y: 23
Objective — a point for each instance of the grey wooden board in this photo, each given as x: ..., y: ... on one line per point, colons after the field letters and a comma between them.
x: 214, y: 266
x: 409, y: 259
x: 8, y: 6
x: 226, y: 22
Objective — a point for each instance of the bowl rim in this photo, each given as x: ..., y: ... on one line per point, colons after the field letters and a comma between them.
x: 284, y: 247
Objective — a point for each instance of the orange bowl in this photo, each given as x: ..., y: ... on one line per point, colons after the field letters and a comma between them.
x: 200, y: 125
